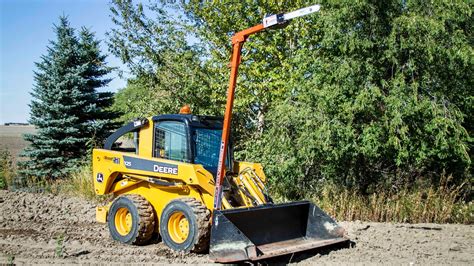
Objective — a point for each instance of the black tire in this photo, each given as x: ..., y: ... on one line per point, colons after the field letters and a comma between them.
x: 142, y: 215
x: 198, y: 218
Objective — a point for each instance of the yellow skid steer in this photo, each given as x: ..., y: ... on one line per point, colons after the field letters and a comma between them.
x: 178, y: 179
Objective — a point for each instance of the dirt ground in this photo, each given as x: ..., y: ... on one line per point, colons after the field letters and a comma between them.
x: 42, y: 228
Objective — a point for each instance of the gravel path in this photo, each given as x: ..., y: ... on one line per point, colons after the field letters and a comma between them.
x: 43, y: 228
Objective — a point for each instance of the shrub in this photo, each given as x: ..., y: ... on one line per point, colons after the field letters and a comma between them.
x: 6, y: 169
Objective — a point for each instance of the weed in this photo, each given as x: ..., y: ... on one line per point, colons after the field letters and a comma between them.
x: 7, y: 170
x: 60, y: 245
x: 11, y: 260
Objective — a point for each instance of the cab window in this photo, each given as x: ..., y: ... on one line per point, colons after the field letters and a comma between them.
x: 170, y: 141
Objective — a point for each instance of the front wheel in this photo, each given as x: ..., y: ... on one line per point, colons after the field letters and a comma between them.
x: 131, y: 220
x: 184, y: 225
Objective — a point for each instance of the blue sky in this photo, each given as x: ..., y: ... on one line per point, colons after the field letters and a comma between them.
x: 26, y: 26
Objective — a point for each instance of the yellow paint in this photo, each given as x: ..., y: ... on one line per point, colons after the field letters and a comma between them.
x: 257, y: 167
x: 123, y: 221
x: 245, y: 200
x: 145, y: 146
x: 226, y: 204
x: 252, y: 185
x: 101, y: 214
x: 178, y: 227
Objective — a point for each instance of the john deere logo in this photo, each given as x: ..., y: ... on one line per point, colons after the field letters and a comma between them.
x: 100, y: 177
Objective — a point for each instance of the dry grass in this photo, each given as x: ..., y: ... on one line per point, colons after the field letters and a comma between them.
x: 441, y: 204
x: 79, y: 184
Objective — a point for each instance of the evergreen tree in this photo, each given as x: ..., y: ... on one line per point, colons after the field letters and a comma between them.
x: 67, y: 111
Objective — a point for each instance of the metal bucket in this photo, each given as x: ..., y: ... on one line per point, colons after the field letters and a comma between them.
x: 271, y: 230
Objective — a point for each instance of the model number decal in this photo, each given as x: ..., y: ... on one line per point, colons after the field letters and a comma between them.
x: 116, y: 160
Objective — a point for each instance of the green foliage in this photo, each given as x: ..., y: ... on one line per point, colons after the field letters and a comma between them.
x: 365, y: 94
x: 266, y: 71
x: 66, y: 109
x: 169, y: 71
x: 382, y: 99
x: 11, y: 260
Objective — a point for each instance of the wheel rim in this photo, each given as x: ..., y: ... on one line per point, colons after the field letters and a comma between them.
x: 123, y: 221
x: 178, y: 227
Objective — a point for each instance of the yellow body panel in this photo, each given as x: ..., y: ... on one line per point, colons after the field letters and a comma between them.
x: 101, y: 214
x: 145, y: 146
x: 159, y: 180
x: 111, y: 164
x: 257, y: 167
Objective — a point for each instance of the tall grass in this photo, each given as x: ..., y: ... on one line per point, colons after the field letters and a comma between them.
x: 437, y: 204
x: 79, y: 184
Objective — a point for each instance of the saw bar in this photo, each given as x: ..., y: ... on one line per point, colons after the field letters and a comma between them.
x: 281, y: 18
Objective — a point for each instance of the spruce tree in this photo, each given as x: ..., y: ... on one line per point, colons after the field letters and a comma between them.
x: 67, y: 111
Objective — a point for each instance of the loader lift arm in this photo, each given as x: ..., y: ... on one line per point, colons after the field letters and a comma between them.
x: 238, y: 41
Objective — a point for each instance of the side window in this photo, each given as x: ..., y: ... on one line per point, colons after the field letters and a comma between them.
x: 125, y: 143
x: 170, y: 141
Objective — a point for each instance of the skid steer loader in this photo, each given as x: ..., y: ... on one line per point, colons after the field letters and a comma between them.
x: 179, y: 180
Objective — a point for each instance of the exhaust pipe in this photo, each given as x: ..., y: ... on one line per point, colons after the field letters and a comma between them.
x: 271, y: 230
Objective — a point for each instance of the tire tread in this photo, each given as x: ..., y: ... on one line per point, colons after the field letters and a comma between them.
x: 146, y: 221
x: 202, y: 218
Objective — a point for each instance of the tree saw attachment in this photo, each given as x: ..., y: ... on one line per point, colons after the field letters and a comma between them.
x: 266, y: 230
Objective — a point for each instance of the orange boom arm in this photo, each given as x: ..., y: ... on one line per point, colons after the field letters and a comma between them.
x: 238, y: 41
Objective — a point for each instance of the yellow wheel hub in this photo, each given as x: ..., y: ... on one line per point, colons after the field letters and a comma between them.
x: 123, y: 221
x: 178, y: 227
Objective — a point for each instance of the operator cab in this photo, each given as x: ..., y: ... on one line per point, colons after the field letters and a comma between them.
x: 188, y: 138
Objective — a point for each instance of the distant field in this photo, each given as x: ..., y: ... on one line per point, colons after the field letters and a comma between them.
x: 11, y: 138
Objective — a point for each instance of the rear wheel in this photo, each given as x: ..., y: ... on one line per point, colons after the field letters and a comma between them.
x: 131, y: 219
x: 184, y: 225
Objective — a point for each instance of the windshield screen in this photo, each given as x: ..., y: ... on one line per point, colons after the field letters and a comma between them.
x: 207, y: 143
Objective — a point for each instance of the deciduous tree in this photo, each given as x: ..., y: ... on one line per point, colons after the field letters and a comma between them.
x: 362, y: 94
